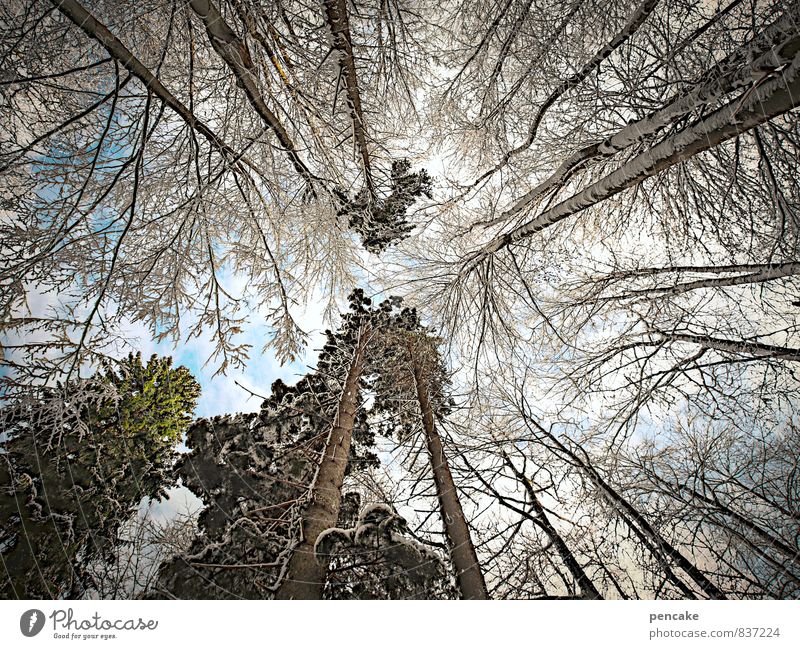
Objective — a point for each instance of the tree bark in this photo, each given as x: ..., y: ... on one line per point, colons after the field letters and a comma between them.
x: 305, y: 576
x: 769, y: 98
x: 339, y: 23
x: 234, y: 52
x: 462, y: 551
x: 768, y: 273
x: 751, y: 349
x: 721, y: 79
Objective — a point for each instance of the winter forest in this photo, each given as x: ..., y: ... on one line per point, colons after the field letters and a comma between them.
x: 519, y: 281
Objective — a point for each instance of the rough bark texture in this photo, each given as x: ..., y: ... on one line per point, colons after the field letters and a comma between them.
x: 462, y: 551
x: 305, y: 576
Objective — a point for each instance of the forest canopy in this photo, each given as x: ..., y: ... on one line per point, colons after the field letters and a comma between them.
x: 554, y: 245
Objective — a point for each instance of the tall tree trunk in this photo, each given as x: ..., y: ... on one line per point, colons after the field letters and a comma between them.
x: 635, y: 520
x: 233, y: 50
x: 767, y: 273
x: 342, y: 43
x: 588, y: 589
x: 770, y: 96
x: 462, y: 551
x: 305, y: 576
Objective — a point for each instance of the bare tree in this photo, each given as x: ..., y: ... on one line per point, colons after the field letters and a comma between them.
x: 727, y: 486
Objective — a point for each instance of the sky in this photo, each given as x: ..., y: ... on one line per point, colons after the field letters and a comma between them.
x: 228, y: 394
x: 221, y: 394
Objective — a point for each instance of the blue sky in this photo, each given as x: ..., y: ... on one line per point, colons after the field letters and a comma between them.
x: 224, y: 394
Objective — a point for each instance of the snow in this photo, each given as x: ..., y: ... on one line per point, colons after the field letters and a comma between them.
x: 368, y: 510
x: 325, y: 541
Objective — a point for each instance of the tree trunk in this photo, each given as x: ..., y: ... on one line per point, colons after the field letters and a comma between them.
x: 768, y: 273
x: 339, y: 23
x: 233, y: 50
x: 588, y: 589
x: 462, y: 551
x: 743, y: 347
x: 721, y: 79
x: 715, y: 505
x: 770, y: 97
x: 305, y: 576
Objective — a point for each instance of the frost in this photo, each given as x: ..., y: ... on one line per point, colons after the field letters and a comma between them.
x: 376, y: 512
x: 376, y: 559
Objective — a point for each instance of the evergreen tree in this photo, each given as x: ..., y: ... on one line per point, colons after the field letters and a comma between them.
x: 412, y: 387
x: 79, y: 458
x: 344, y: 357
x: 262, y: 475
x: 375, y: 557
x: 254, y: 472
x: 272, y: 484
x: 382, y: 222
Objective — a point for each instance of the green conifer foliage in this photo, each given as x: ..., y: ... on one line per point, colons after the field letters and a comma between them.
x: 79, y: 459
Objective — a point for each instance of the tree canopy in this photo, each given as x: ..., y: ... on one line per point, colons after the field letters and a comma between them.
x: 586, y: 214
x: 79, y: 460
